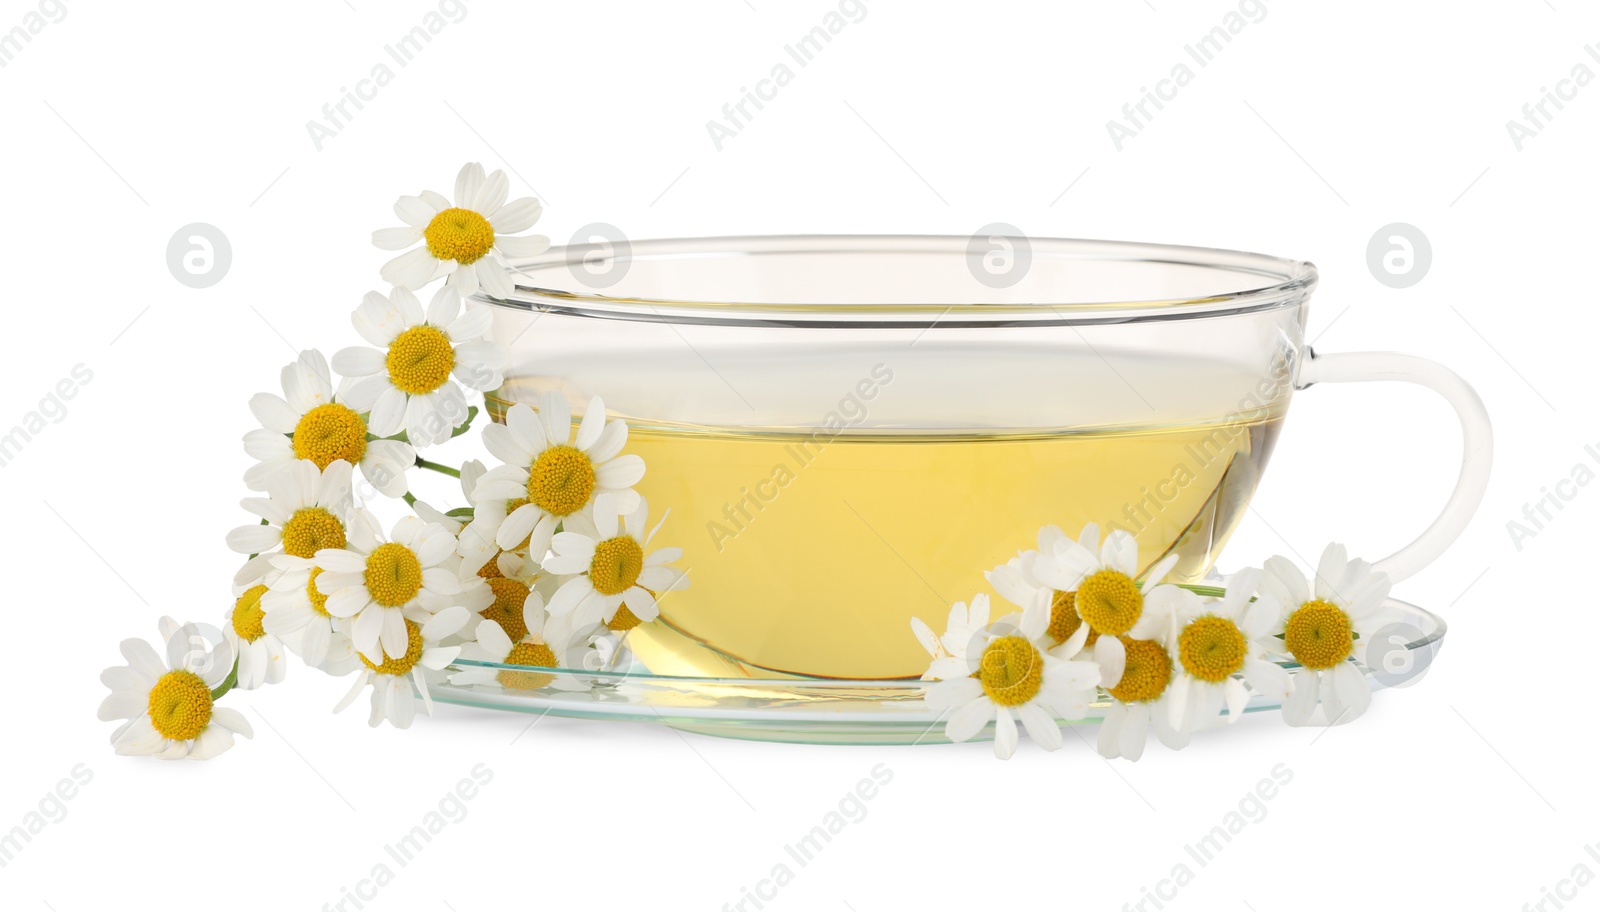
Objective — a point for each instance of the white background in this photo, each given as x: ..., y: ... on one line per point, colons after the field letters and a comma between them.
x: 1315, y: 127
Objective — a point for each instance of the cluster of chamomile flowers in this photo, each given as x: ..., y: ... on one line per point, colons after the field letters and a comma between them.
x: 549, y: 566
x: 1089, y: 629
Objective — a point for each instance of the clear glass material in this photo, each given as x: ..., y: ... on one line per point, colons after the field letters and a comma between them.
x: 849, y: 430
x: 837, y: 711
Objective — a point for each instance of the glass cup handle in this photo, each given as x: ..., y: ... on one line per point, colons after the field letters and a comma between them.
x: 1477, y: 452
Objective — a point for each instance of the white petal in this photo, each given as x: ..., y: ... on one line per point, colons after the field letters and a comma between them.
x: 477, y: 320
x: 233, y: 720
x: 388, y: 413
x: 1268, y: 679
x: 416, y: 211
x: 1041, y: 727
x: 1112, y: 657
x: 1005, y: 733
x: 491, y: 193
x: 493, y: 278
x: 143, y: 659
x: 1120, y: 553
x: 518, y: 248
x: 516, y: 216
x: 1351, y: 686
x: 621, y: 472
x: 412, y: 269
x: 396, y: 238
x: 273, y: 413
x: 442, y: 309
x: 1233, y: 691
x: 358, y: 361
x: 1302, y: 702
x: 556, y: 416
x: 968, y: 720
x: 468, y: 180
x: 526, y: 430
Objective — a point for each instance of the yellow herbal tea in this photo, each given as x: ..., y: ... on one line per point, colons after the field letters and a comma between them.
x: 809, y: 553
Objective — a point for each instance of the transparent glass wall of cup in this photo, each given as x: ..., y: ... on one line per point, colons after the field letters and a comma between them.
x: 850, y: 430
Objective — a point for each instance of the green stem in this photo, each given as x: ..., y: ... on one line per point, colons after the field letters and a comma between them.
x: 228, y: 682
x: 1213, y: 591
x: 437, y: 467
x: 472, y: 412
x: 409, y: 498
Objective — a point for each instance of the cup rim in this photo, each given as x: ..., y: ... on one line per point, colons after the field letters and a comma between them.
x: 1284, y: 283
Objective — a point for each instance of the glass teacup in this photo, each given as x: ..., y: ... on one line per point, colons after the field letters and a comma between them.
x: 849, y: 430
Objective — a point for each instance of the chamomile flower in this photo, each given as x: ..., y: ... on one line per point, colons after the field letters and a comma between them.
x: 546, y: 642
x: 1092, y: 583
x: 1217, y: 647
x: 1005, y: 673
x: 313, y: 421
x: 1324, y: 621
x: 610, y: 567
x: 545, y: 478
x: 168, y: 705
x: 406, y: 379
x: 467, y: 241
x: 261, y: 655
x: 961, y: 627
x: 381, y: 584
x: 296, y: 612
x: 304, y: 511
x: 1139, y: 702
x: 398, y: 681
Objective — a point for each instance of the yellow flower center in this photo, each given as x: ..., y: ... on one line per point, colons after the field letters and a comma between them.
x: 328, y: 432
x: 319, y: 602
x: 247, y: 614
x: 1064, y: 619
x: 1109, y: 602
x: 561, y: 480
x: 459, y: 234
x: 527, y: 654
x: 1319, y: 635
x: 491, y: 567
x: 180, y: 706
x: 1011, y: 671
x: 1146, y: 674
x: 402, y: 664
x: 420, y: 359
x: 616, y: 565
x: 1211, y: 648
x: 393, y: 575
x: 311, y: 529
x: 507, y: 608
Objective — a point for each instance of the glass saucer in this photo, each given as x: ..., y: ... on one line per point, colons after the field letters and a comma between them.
x: 833, y: 711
